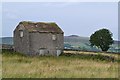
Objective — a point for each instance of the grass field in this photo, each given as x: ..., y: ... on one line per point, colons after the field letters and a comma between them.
x: 71, y: 64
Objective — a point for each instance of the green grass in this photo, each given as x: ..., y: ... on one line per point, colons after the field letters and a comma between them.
x: 68, y: 65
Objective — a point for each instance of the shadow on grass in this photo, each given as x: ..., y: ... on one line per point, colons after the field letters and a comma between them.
x: 98, y: 57
x: 7, y: 52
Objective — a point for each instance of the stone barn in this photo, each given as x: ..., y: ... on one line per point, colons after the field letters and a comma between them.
x: 38, y: 38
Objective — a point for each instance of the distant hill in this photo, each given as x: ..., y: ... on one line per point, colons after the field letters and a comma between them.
x: 73, y: 36
x: 82, y: 43
x: 117, y: 42
x: 76, y: 39
x: 78, y: 43
x: 6, y: 40
x: 72, y: 42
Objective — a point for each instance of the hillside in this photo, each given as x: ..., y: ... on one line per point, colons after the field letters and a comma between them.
x: 73, y: 36
x: 74, y: 42
x: 82, y: 43
x: 6, y: 40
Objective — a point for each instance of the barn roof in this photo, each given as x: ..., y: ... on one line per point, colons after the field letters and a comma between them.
x: 41, y: 27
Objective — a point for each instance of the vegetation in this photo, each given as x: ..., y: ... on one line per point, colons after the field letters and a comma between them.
x: 102, y: 39
x: 71, y: 64
x: 75, y: 43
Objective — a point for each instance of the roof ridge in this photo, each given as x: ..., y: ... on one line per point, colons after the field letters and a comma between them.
x: 22, y: 22
x: 41, y: 26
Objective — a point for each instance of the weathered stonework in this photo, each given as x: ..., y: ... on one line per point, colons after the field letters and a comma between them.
x: 47, y: 40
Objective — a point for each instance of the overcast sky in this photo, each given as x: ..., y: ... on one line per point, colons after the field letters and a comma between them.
x: 79, y: 18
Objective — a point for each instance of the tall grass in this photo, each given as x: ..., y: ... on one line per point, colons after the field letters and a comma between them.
x: 67, y: 65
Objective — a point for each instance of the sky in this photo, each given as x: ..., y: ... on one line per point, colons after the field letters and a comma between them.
x: 59, y: 0
x: 74, y: 18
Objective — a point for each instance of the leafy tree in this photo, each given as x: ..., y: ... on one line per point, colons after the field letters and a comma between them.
x: 102, y: 39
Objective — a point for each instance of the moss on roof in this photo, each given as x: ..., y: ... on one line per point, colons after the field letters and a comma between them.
x: 26, y: 22
x: 41, y: 26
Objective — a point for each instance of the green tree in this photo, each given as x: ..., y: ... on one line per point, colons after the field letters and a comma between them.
x: 102, y: 39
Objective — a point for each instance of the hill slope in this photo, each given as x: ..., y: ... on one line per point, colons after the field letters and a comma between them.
x: 6, y: 40
x: 72, y: 42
